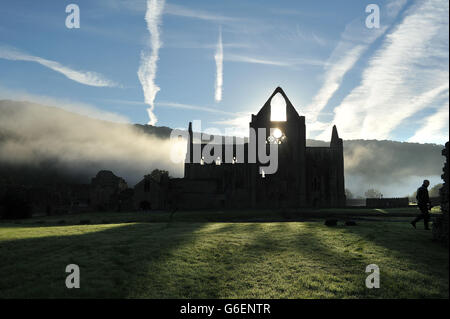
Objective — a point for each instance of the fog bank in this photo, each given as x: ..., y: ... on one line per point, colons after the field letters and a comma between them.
x: 32, y: 134
x: 55, y: 140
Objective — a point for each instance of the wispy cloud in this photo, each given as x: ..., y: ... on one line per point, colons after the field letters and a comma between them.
x: 218, y: 57
x: 181, y: 11
x: 138, y: 6
x: 319, y: 40
x: 404, y: 76
x: 299, y: 35
x: 148, y: 67
x: 288, y: 62
x: 194, y: 108
x: 333, y: 80
x: 355, y: 40
x: 237, y: 126
x: 179, y: 42
x: 435, y: 128
x: 255, y: 60
x: 172, y: 105
x: 83, y: 77
x: 125, y: 102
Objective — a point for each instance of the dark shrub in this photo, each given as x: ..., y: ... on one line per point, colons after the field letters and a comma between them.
x: 16, y: 204
x: 145, y: 205
x: 331, y: 222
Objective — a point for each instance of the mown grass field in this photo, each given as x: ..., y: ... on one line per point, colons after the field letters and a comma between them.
x: 179, y: 259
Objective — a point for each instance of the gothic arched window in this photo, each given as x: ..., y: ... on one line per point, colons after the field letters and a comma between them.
x: 278, y: 108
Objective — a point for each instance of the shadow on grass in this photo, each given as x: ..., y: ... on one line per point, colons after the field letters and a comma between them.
x: 109, y: 260
x: 283, y: 260
x: 400, y: 239
x: 219, y: 260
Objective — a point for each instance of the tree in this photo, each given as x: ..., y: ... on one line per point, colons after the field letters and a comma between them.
x: 16, y: 204
x: 434, y: 191
x: 412, y: 197
x: 348, y: 194
x: 373, y: 193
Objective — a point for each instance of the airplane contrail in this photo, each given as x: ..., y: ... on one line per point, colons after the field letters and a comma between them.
x: 219, y: 68
x: 148, y: 66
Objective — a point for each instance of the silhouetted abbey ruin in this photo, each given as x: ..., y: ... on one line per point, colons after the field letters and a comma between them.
x: 239, y: 176
x: 306, y: 176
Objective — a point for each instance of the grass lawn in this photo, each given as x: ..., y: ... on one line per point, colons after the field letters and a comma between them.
x: 221, y: 260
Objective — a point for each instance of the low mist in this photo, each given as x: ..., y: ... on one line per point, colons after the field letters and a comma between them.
x: 396, y: 169
x: 39, y: 136
x: 56, y: 141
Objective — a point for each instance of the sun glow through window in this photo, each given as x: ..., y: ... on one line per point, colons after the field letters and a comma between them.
x: 278, y: 108
x: 277, y: 133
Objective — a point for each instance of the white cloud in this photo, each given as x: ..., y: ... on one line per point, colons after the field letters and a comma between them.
x: 237, y: 123
x: 355, y: 40
x: 218, y: 57
x: 180, y: 42
x: 237, y: 126
x: 194, y: 108
x: 148, y: 67
x: 181, y: 11
x: 319, y: 40
x: 435, y: 128
x: 138, y: 6
x: 291, y: 62
x: 299, y: 35
x: 248, y: 59
x: 404, y: 76
x: 83, y: 77
x: 333, y: 79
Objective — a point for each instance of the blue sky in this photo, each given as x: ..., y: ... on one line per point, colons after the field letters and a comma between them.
x: 381, y: 83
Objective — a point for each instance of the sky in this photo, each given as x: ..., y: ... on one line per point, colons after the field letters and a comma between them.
x: 170, y: 62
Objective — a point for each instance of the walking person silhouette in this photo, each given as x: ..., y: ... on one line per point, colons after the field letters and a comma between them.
x: 424, y: 204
